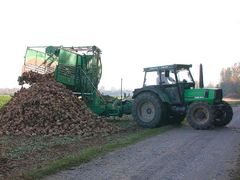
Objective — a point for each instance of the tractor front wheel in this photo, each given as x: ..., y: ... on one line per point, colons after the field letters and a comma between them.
x: 200, y: 115
x: 224, y: 115
x: 148, y: 110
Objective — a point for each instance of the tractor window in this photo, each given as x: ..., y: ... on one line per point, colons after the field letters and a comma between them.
x: 184, y: 76
x: 152, y: 78
x: 171, y: 79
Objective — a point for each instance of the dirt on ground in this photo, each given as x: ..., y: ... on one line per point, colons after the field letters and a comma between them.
x: 16, y: 162
x: 22, y: 153
x: 49, y: 108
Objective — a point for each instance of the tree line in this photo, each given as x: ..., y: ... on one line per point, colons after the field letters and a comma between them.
x: 230, y: 81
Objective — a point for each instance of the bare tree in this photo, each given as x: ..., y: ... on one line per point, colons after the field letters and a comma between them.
x: 230, y: 80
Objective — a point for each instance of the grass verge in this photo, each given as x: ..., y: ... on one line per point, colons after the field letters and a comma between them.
x: 4, y: 100
x: 234, y: 103
x: 90, y: 153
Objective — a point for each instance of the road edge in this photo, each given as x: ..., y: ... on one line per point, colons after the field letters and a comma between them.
x: 91, y: 153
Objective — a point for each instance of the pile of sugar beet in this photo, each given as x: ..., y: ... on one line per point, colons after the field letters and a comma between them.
x: 49, y: 108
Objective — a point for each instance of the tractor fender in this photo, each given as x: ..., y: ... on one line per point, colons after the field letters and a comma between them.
x: 153, y: 89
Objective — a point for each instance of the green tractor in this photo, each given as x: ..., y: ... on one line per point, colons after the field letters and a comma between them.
x: 169, y: 95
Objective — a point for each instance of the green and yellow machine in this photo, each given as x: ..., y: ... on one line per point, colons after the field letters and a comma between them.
x: 80, y: 70
x: 169, y: 98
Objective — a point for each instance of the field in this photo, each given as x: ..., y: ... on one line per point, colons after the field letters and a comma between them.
x: 233, y: 102
x: 38, y: 156
x: 4, y: 100
x: 35, y: 157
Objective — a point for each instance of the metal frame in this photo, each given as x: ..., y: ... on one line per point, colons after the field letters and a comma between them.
x: 167, y: 67
x: 72, y: 49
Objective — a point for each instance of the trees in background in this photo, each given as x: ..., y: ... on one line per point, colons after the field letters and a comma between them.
x: 8, y: 91
x: 230, y: 81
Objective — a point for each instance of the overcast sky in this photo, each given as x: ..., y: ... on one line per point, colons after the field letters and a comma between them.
x: 131, y: 34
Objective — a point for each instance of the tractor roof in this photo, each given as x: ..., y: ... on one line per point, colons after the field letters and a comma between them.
x: 168, y: 67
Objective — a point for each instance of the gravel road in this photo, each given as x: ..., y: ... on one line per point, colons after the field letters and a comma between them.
x: 181, y: 153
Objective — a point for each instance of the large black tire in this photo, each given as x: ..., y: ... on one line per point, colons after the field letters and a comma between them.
x: 224, y: 116
x: 148, y: 110
x: 200, y: 115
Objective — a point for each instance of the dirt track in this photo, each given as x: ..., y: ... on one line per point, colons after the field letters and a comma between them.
x: 182, y: 153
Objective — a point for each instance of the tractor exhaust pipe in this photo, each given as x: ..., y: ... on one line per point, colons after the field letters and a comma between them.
x: 201, y: 84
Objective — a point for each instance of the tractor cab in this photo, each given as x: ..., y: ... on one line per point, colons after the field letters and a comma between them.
x: 172, y: 79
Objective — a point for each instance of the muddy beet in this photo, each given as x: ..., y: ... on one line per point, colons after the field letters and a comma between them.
x: 49, y: 108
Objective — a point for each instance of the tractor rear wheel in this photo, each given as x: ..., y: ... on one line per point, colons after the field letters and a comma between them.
x: 148, y: 110
x: 223, y: 116
x: 200, y: 115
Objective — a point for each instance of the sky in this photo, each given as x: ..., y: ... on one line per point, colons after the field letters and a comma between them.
x: 132, y: 34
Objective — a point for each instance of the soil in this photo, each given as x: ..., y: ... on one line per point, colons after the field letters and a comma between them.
x: 22, y: 153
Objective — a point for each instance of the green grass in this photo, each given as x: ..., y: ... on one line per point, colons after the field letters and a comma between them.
x: 125, y: 123
x: 90, y: 153
x: 234, y: 103
x: 36, y: 143
x: 4, y: 100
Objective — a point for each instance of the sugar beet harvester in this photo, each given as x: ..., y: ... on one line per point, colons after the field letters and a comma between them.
x: 168, y: 100
x: 80, y: 70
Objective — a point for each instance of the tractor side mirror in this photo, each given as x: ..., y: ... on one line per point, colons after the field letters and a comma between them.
x: 166, y: 73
